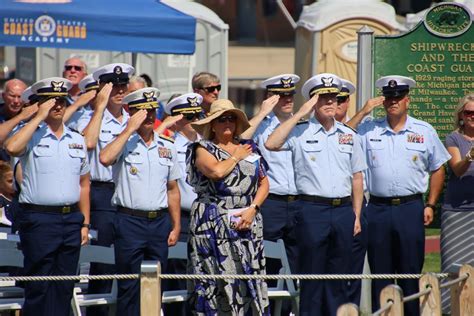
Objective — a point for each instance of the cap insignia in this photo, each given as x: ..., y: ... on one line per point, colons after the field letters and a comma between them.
x: 286, y: 82
x: 193, y: 101
x: 327, y: 81
x: 118, y: 70
x: 149, y: 96
x: 392, y: 83
x: 57, y: 86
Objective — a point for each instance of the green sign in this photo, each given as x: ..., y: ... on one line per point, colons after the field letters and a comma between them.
x: 439, y: 54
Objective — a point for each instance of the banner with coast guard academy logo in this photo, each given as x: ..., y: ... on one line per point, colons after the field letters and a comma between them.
x: 146, y: 26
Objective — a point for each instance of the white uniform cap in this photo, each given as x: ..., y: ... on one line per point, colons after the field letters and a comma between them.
x: 321, y: 84
x: 88, y: 83
x: 186, y: 103
x: 281, y: 84
x: 52, y: 87
x: 347, y: 88
x: 146, y: 98
x: 395, y: 86
x: 117, y: 73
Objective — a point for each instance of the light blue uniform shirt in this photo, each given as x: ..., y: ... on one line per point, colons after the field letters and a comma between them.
x: 281, y: 172
x: 399, y: 163
x: 325, y: 161
x: 52, y: 167
x: 187, y: 192
x: 83, y: 115
x: 141, y: 174
x: 109, y: 130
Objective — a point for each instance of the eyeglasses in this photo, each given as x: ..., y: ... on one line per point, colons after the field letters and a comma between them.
x: 227, y: 118
x: 212, y: 89
x: 342, y: 99
x: 468, y: 113
x: 70, y: 67
x: 191, y: 116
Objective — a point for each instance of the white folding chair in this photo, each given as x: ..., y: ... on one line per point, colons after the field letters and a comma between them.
x: 285, y: 289
x: 11, y: 296
x: 95, y: 254
x: 179, y: 251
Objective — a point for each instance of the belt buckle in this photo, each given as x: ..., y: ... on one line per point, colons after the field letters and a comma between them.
x: 152, y: 215
x: 291, y: 198
x: 66, y: 209
x: 396, y: 201
x: 336, y: 202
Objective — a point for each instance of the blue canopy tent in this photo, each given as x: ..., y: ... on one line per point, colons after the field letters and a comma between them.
x: 145, y: 26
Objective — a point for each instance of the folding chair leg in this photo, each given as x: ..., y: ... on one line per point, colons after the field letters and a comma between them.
x: 76, y: 309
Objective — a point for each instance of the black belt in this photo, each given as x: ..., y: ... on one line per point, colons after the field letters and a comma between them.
x: 143, y: 214
x: 60, y: 209
x: 285, y: 198
x: 394, y: 200
x: 325, y: 200
x: 103, y: 184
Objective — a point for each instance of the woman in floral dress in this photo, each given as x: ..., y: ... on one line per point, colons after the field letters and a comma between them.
x: 229, y: 177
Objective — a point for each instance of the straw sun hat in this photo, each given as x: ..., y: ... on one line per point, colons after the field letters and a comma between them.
x: 218, y: 108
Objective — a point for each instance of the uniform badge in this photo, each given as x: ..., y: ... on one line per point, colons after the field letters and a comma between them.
x: 327, y: 81
x: 149, y: 96
x: 133, y: 170
x: 414, y: 158
x: 312, y: 158
x: 118, y: 70
x: 416, y: 138
x: 57, y: 86
x: 164, y: 152
x: 346, y: 139
x: 192, y: 101
x: 286, y: 82
x: 392, y: 83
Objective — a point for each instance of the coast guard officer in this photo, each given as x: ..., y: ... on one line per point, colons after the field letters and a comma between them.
x: 328, y: 163
x: 54, y: 199
x: 402, y: 152
x: 81, y: 109
x: 147, y: 196
x: 108, y: 120
x: 343, y: 100
x: 280, y: 207
x: 188, y: 108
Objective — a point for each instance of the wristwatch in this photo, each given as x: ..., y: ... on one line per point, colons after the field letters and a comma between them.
x: 88, y: 226
x: 255, y: 206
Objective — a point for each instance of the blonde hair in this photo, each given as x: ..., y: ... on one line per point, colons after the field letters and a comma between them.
x: 458, y: 113
x: 201, y: 79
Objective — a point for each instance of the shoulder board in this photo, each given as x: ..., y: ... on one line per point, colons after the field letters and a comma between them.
x: 171, y: 140
x: 349, y: 127
x: 302, y: 122
x: 74, y: 130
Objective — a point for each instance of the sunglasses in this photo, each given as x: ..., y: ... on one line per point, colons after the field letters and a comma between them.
x: 341, y: 99
x: 468, y: 113
x: 212, y: 89
x: 70, y: 67
x: 227, y: 118
x: 192, y: 116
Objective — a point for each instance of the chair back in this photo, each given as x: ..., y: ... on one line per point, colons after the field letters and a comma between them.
x: 276, y: 250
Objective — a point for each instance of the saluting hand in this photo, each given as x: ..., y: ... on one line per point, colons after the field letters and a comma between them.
x: 103, y: 97
x: 308, y: 107
x: 169, y: 121
x: 242, y: 151
x: 44, y: 108
x: 373, y: 103
x: 85, y: 98
x: 269, y: 104
x: 28, y: 111
x: 136, y: 120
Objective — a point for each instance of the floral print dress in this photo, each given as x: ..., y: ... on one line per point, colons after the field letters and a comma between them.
x: 215, y: 248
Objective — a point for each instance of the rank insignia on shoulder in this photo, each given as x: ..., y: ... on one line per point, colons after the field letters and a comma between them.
x: 76, y: 146
x: 164, y: 152
x: 349, y: 127
x: 346, y: 139
x: 415, y: 138
x: 133, y: 170
x: 414, y: 158
x: 302, y: 122
x: 170, y: 139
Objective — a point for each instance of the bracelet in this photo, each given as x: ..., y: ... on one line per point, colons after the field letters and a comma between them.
x: 234, y: 159
x: 469, y: 157
x: 431, y: 206
x: 88, y: 226
x: 255, y: 206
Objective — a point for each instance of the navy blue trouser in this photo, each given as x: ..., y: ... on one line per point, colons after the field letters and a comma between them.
x: 51, y: 244
x: 396, y: 245
x: 325, y: 235
x: 137, y: 239
x: 279, y: 223
x: 359, y: 249
x: 178, y: 266
x: 102, y: 220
